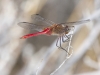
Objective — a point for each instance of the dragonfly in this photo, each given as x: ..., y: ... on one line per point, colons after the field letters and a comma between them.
x: 50, y: 28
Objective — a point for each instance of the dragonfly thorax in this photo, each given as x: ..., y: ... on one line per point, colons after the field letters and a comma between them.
x: 60, y: 29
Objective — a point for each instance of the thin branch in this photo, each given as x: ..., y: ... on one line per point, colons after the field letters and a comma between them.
x: 38, y: 67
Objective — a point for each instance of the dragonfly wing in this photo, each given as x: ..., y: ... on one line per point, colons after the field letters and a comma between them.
x: 31, y: 26
x: 39, y: 18
x: 75, y: 23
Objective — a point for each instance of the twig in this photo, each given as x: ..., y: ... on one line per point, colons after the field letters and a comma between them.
x: 38, y: 67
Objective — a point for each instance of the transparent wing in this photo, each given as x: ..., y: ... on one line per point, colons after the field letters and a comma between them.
x: 31, y: 26
x: 38, y: 18
x: 75, y: 23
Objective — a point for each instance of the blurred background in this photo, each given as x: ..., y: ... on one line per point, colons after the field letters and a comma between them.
x: 23, y: 56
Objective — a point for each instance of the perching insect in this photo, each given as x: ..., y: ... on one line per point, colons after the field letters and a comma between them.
x: 51, y: 28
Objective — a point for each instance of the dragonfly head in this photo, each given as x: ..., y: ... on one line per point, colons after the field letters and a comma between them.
x: 68, y: 29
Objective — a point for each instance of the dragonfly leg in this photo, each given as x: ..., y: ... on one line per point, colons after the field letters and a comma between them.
x: 59, y: 44
x: 67, y: 38
x: 63, y: 38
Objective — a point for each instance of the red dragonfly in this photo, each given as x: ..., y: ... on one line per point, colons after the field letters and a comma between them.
x: 51, y: 28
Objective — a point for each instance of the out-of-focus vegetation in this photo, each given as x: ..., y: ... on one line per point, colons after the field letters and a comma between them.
x: 22, y: 57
